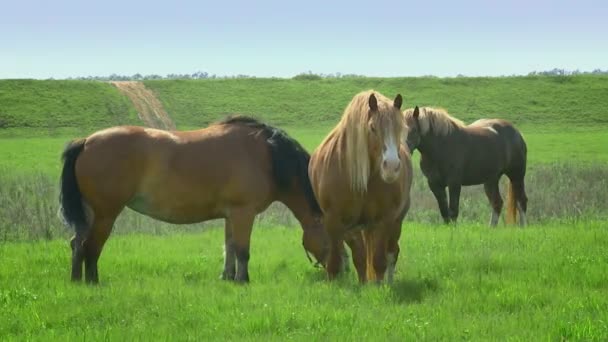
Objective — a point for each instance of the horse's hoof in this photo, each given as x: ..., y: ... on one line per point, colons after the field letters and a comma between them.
x: 225, y: 276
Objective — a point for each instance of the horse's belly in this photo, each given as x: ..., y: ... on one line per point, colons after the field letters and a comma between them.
x: 176, y: 211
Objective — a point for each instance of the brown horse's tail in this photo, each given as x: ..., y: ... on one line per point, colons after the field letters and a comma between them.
x: 368, y: 241
x: 511, y: 216
x: 70, y: 196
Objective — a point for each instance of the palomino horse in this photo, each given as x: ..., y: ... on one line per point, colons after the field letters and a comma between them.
x: 454, y: 155
x: 233, y: 170
x: 361, y: 174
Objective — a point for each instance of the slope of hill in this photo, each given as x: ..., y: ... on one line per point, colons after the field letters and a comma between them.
x: 29, y: 107
x: 581, y: 100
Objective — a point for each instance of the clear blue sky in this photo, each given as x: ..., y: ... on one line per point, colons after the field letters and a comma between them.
x: 41, y: 39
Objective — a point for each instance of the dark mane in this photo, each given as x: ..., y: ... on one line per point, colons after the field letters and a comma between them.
x: 289, y: 158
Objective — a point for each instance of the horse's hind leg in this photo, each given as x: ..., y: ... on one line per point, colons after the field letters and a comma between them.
x: 241, y: 222
x: 493, y: 193
x: 77, y: 254
x: 229, y: 253
x: 93, y: 245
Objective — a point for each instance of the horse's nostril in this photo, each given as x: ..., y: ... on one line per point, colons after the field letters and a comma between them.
x: 385, y: 164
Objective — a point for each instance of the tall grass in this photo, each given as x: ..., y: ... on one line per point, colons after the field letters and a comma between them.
x: 29, y: 206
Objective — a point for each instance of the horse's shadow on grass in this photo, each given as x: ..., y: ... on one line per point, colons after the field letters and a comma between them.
x: 403, y: 291
x: 412, y: 290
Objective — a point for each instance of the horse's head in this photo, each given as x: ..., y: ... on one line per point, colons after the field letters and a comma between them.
x: 414, y: 134
x: 316, y: 242
x: 385, y: 130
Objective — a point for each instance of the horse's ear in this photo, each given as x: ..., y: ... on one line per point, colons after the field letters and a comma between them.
x: 398, y: 101
x: 373, y: 103
x: 416, y: 113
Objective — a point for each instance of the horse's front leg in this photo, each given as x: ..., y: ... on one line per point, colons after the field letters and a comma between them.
x: 335, y: 231
x: 393, y: 251
x: 229, y: 253
x: 376, y: 241
x: 454, y: 201
x: 241, y: 222
x: 355, y: 242
x: 439, y: 192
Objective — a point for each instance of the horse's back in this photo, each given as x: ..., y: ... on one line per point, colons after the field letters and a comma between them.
x: 511, y: 145
x: 176, y: 176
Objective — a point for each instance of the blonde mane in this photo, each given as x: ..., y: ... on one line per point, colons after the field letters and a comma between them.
x: 348, y: 140
x: 436, y: 119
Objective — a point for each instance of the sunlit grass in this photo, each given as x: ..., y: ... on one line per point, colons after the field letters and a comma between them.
x: 471, y: 282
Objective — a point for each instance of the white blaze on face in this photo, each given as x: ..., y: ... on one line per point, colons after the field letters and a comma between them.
x: 390, y: 156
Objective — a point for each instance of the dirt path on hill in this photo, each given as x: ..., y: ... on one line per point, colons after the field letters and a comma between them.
x: 149, y: 109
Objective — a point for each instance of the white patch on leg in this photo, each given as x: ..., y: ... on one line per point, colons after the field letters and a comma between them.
x: 391, y: 261
x: 494, y: 218
x: 522, y: 216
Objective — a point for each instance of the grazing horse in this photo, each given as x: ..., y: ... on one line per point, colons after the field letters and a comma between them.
x: 361, y: 175
x: 453, y: 155
x: 233, y: 169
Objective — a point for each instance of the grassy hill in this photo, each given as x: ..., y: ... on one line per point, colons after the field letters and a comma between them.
x: 563, y: 118
x: 27, y: 106
x: 552, y: 101
x: 39, y: 108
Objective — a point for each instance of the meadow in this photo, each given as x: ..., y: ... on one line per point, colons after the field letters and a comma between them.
x: 160, y: 281
x: 465, y: 283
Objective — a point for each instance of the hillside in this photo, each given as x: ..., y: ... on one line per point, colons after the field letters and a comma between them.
x: 29, y: 107
x: 582, y: 100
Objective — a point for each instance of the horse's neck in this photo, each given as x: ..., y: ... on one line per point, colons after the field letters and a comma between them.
x: 436, y: 144
x: 297, y: 203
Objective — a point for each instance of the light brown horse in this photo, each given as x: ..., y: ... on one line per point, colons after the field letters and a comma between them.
x: 233, y: 170
x: 453, y: 155
x: 361, y: 175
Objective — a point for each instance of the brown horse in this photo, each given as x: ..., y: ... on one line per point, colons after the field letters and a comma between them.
x: 233, y: 170
x: 361, y: 175
x: 454, y: 155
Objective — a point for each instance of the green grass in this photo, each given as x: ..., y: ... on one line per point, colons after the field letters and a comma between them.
x: 43, y: 108
x: 42, y: 154
x: 471, y: 282
x: 159, y: 281
x: 542, y: 101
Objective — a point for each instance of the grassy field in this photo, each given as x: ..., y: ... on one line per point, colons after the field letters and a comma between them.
x: 41, y: 154
x: 547, y: 282
x: 471, y: 283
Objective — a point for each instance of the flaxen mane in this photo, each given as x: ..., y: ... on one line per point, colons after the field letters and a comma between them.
x: 435, y: 119
x: 289, y: 158
x: 348, y: 141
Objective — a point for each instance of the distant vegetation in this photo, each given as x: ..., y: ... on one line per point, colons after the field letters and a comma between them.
x: 302, y: 76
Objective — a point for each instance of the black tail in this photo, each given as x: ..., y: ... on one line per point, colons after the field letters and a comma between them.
x: 70, y: 196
